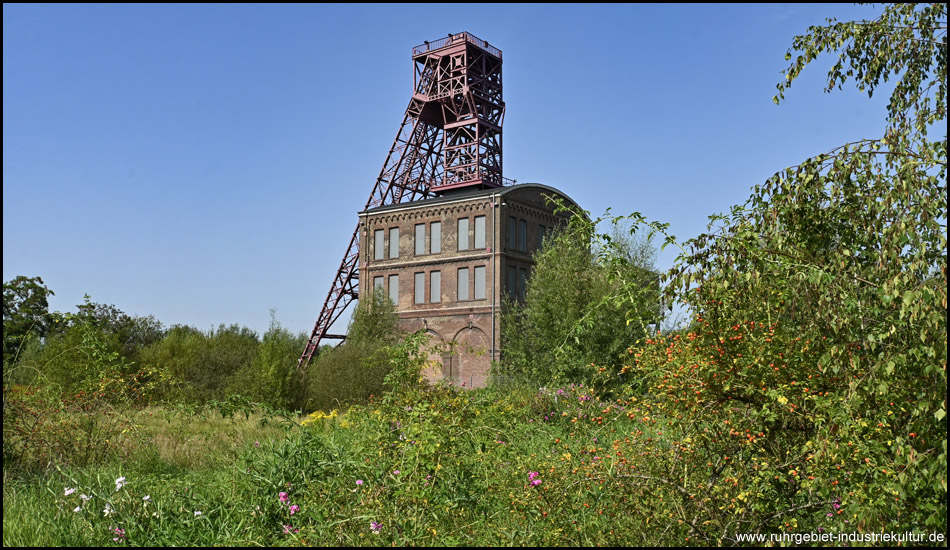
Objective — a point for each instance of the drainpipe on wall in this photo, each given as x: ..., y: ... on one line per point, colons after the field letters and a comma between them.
x: 494, y: 266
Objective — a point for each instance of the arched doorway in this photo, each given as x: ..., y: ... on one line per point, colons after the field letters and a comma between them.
x: 471, y: 359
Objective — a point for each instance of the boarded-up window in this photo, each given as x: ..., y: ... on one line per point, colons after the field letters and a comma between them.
x: 379, y: 245
x: 420, y: 239
x: 463, y: 284
x: 435, y: 238
x: 435, y: 287
x: 394, y: 242
x: 394, y: 289
x: 480, y: 282
x: 479, y: 232
x: 463, y: 233
x: 420, y: 288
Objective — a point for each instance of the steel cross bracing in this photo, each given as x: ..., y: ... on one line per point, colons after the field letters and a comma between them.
x: 450, y: 138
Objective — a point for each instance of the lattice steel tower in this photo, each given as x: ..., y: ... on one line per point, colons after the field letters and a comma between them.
x: 450, y: 138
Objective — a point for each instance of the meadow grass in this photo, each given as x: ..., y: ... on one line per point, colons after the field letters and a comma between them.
x: 447, y: 467
x: 191, y: 439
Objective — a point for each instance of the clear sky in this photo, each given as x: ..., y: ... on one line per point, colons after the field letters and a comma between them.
x: 205, y: 163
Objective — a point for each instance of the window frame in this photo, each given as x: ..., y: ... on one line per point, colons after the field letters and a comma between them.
x: 463, y: 235
x: 420, y: 239
x: 435, y: 238
x: 480, y: 223
x: 393, y: 243
x: 481, y: 271
x: 435, y: 287
x: 459, y: 287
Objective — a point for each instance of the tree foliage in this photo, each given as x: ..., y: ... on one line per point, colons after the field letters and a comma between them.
x: 202, y: 365
x: 590, y: 295
x: 356, y: 370
x: 272, y: 377
x: 131, y: 332
x: 817, y: 363
x: 25, y: 313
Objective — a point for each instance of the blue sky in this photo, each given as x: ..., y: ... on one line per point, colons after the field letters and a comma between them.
x: 205, y: 163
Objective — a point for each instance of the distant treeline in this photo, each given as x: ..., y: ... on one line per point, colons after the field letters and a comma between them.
x: 98, y: 345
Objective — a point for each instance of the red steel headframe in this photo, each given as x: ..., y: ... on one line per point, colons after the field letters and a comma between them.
x: 450, y: 138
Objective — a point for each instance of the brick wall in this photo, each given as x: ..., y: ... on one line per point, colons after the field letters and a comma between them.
x: 464, y: 333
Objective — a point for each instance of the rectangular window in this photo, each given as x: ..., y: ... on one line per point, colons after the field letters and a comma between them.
x: 436, y: 238
x: 420, y: 290
x: 379, y: 245
x: 463, y: 233
x: 512, y: 233
x: 463, y: 284
x: 377, y: 282
x: 394, y: 242
x: 512, y: 282
x: 542, y: 235
x: 394, y: 289
x: 435, y: 287
x: 480, y: 282
x: 522, y: 282
x: 479, y: 232
x: 523, y: 236
x: 420, y: 239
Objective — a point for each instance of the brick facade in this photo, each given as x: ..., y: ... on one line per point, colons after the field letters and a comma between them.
x: 505, y: 224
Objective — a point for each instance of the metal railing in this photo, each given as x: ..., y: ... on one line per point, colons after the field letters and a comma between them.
x: 467, y: 37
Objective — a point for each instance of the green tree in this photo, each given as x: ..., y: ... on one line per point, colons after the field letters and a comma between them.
x: 202, y: 365
x: 590, y: 295
x: 273, y: 377
x: 25, y: 313
x: 374, y: 323
x: 356, y: 370
x: 89, y: 350
x: 822, y: 310
x: 131, y: 332
x: 80, y: 357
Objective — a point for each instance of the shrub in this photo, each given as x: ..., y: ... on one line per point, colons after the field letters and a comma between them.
x: 355, y: 371
x: 589, y: 296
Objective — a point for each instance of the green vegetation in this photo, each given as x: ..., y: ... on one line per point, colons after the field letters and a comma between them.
x: 590, y: 296
x: 354, y: 372
x: 807, y: 397
x: 25, y: 314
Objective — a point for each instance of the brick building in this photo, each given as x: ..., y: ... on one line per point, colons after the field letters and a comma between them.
x: 447, y: 263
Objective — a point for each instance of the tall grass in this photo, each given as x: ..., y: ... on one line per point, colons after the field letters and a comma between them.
x: 443, y: 467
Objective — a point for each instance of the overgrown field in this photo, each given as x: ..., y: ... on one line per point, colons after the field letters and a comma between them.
x: 445, y: 467
x: 805, y: 399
